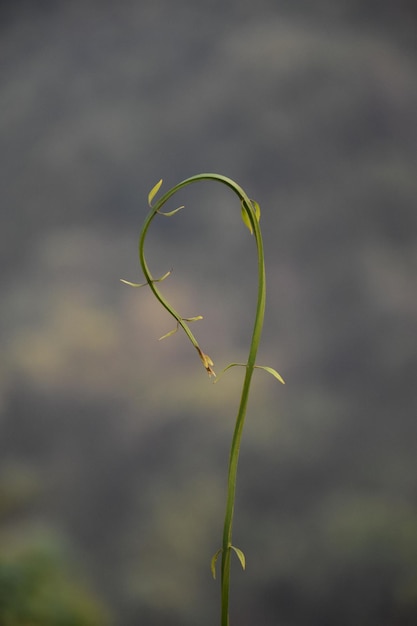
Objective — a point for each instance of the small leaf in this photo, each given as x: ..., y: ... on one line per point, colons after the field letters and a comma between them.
x: 155, y: 280
x: 245, y: 217
x: 192, y: 319
x: 270, y: 370
x: 127, y: 282
x: 227, y: 368
x: 213, y: 563
x: 240, y: 556
x: 171, y: 332
x: 170, y: 213
x: 257, y: 209
x: 159, y: 280
x: 153, y: 192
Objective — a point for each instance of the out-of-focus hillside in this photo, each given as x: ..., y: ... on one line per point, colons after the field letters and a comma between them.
x: 113, y: 447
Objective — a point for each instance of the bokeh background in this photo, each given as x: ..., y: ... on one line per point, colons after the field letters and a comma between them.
x: 113, y: 447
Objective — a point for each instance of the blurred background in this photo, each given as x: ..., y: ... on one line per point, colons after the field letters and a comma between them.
x: 114, y: 447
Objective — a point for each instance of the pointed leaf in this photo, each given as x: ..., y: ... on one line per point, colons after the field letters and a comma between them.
x: 171, y: 332
x: 127, y: 282
x: 213, y: 563
x: 245, y: 217
x: 257, y: 209
x: 240, y: 556
x: 153, y: 192
x: 155, y: 280
x: 170, y: 213
x: 159, y: 280
x: 270, y: 370
x: 227, y: 368
x: 234, y: 365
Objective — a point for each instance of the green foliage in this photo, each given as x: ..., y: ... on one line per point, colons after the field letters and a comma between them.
x: 39, y: 582
x: 38, y: 587
x: 250, y: 212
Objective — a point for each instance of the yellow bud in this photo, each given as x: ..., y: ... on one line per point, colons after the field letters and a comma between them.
x: 207, y: 362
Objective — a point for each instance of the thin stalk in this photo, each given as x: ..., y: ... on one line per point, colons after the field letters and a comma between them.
x: 250, y: 214
x: 237, y: 434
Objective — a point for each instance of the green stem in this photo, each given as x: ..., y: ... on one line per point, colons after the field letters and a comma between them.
x: 249, y: 209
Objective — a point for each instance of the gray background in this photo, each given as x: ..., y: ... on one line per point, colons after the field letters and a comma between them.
x: 113, y: 447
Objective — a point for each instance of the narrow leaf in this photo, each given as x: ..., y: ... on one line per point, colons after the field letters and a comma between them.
x: 240, y: 556
x: 170, y: 213
x: 227, y: 368
x: 171, y: 332
x: 155, y: 280
x: 213, y: 563
x: 127, y: 282
x: 159, y: 280
x: 245, y: 217
x: 153, y: 192
x: 257, y: 209
x: 270, y: 370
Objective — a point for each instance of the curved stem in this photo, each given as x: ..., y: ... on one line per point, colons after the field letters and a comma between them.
x: 252, y: 219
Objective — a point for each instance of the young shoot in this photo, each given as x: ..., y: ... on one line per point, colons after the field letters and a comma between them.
x: 250, y: 212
